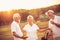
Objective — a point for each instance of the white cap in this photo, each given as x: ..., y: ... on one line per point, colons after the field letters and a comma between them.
x: 50, y: 11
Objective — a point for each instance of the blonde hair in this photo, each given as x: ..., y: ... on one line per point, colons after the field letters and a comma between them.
x: 30, y: 16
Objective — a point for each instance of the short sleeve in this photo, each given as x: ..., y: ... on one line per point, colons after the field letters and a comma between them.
x: 37, y: 27
x: 58, y: 20
x: 50, y: 25
x: 13, y: 27
x: 24, y: 28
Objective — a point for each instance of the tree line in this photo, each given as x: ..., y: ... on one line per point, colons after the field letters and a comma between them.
x: 38, y: 14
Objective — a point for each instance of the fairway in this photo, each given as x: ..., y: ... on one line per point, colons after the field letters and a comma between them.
x: 5, y: 31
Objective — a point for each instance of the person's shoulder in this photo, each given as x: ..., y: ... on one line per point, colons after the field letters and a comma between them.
x: 26, y: 26
x: 58, y: 17
x: 13, y: 23
x: 35, y: 24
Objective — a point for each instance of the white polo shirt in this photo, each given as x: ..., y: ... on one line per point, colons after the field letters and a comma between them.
x: 31, y: 31
x: 55, y: 29
x: 16, y: 28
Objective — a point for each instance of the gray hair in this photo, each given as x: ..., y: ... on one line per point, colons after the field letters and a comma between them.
x: 15, y: 15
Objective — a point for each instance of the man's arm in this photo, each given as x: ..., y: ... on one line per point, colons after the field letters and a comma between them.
x: 58, y: 25
x: 16, y: 35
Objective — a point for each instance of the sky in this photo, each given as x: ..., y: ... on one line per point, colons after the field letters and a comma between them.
x: 26, y: 4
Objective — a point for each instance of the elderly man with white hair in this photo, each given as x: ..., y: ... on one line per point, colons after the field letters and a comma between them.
x: 54, y: 24
x: 15, y: 28
x: 31, y: 29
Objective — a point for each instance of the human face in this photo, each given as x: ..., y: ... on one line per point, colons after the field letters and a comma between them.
x: 50, y: 15
x: 30, y: 20
x: 18, y: 18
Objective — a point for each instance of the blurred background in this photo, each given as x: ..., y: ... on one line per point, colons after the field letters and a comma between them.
x: 36, y: 8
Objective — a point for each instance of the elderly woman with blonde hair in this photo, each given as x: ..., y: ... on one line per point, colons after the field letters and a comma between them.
x: 31, y: 28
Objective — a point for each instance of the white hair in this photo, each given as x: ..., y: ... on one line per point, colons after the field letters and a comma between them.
x: 16, y: 15
x: 30, y: 16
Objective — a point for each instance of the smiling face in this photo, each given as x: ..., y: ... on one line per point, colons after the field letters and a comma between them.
x: 50, y: 14
x: 16, y: 17
x: 30, y: 19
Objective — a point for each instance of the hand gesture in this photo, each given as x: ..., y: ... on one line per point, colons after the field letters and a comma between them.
x: 52, y: 22
x: 24, y: 37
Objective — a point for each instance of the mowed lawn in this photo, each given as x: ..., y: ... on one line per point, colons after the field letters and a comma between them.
x: 5, y: 31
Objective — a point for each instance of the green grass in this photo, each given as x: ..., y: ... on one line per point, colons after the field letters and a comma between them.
x: 5, y: 31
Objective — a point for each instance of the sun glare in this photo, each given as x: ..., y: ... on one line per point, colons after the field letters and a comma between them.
x: 26, y: 4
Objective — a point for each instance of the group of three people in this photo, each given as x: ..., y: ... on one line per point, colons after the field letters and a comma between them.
x: 31, y: 28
